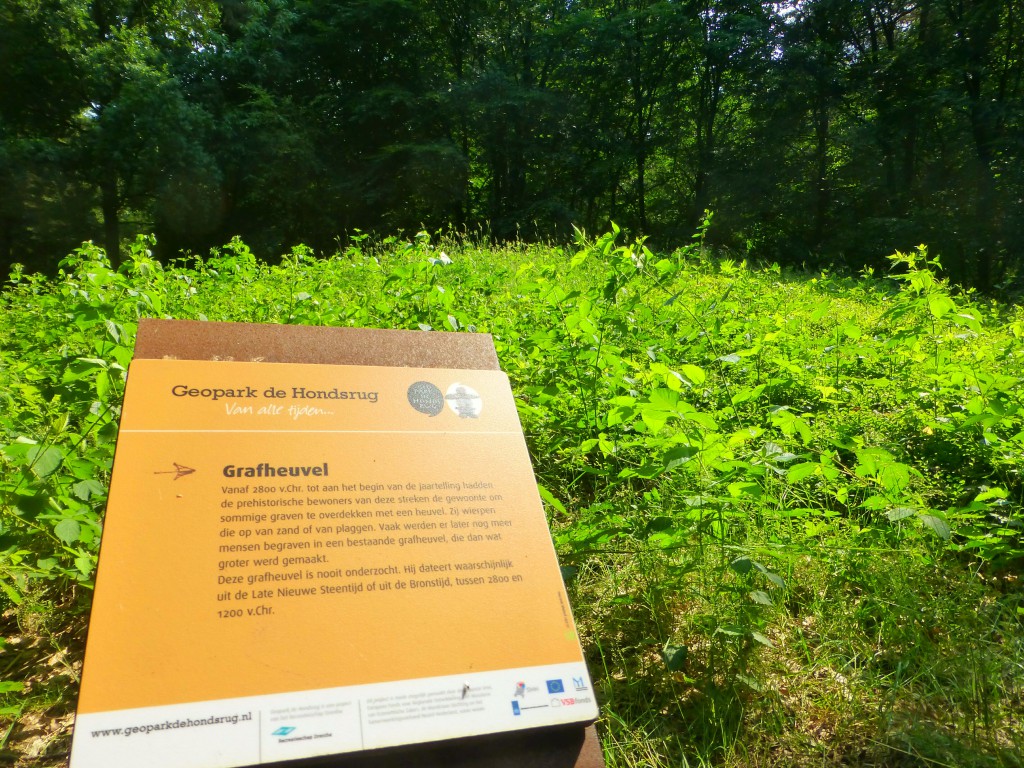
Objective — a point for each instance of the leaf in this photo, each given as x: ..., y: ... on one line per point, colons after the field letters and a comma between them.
x: 664, y: 266
x: 730, y: 358
x: 621, y: 414
x: 900, y: 513
x: 852, y: 331
x: 114, y: 330
x: 676, y: 457
x: 12, y: 594
x: 550, y: 498
x: 936, y: 525
x: 750, y: 682
x: 658, y: 525
x: 11, y: 686
x: 664, y: 399
x: 802, y: 429
x: 875, y: 502
x: 703, y: 419
x: 940, y: 304
x: 85, y: 565
x: 748, y: 393
x: 751, y: 490
x: 86, y: 489
x: 68, y: 531
x: 653, y: 418
x: 761, y: 597
x: 674, y: 656
x: 694, y: 375
x: 761, y: 639
x: 742, y: 565
x: 991, y: 493
x: 44, y: 461
x: 798, y: 472
x: 730, y: 630
x: 103, y: 385
x: 894, y: 477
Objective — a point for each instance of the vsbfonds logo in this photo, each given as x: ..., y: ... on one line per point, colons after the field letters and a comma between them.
x: 284, y: 730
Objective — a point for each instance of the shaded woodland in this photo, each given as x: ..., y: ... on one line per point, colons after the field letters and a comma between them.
x: 818, y: 132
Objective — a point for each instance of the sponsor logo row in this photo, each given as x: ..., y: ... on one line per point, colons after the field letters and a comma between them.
x: 556, y: 685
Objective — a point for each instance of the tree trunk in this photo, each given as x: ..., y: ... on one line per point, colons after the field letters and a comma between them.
x: 821, y: 192
x: 111, y: 224
x: 6, y: 244
x: 641, y: 189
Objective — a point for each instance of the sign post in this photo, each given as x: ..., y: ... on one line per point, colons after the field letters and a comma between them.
x: 320, y: 542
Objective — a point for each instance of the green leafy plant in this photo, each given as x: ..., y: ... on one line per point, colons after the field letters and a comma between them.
x: 779, y: 499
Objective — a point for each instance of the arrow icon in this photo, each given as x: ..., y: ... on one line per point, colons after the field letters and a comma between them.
x: 180, y: 470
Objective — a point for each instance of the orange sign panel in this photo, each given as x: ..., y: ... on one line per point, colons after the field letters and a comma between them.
x: 302, y: 560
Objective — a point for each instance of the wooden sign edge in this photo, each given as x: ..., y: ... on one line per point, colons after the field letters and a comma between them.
x: 319, y: 345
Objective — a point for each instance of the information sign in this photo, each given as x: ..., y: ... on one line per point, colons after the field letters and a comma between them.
x: 314, y: 559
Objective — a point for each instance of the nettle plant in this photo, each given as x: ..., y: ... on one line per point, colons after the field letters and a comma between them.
x: 919, y: 428
x: 700, y: 422
x: 969, y: 414
x: 62, y: 379
x: 689, y: 411
x: 619, y: 410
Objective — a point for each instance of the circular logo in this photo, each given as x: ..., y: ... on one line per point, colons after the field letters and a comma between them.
x: 426, y: 398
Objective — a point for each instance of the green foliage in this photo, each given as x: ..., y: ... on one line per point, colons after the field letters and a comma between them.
x: 821, y: 131
x: 727, y: 454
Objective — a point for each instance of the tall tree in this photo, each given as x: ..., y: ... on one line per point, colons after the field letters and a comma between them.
x: 137, y: 126
x: 41, y: 209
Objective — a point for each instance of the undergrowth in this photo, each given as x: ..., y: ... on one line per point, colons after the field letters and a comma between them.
x: 788, y: 507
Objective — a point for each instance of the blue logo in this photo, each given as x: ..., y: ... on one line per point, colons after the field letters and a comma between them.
x: 284, y: 730
x: 579, y: 684
x: 555, y: 686
x: 515, y: 708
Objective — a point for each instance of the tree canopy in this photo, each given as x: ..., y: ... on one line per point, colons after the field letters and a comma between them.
x: 818, y: 131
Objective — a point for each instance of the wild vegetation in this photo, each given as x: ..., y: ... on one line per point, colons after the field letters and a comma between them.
x: 788, y: 506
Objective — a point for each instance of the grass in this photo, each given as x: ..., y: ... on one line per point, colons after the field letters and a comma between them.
x: 875, y: 661
x: 788, y: 506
